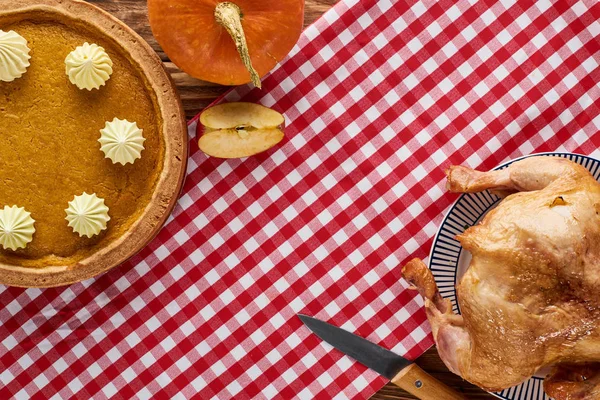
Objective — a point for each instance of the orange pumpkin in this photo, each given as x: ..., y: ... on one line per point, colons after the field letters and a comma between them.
x: 230, y: 43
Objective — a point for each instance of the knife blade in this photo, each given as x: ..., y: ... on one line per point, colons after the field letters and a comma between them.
x: 380, y: 360
x: 402, y: 372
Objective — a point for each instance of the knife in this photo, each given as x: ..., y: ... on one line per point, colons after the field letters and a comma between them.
x: 402, y: 372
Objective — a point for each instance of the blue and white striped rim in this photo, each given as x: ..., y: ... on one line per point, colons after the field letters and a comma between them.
x: 445, y: 256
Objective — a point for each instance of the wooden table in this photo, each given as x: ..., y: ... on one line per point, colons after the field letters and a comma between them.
x: 197, y: 94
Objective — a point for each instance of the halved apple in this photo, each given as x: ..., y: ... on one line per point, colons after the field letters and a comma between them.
x: 237, y: 130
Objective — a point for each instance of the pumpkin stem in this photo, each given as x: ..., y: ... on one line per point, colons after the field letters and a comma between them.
x: 229, y: 15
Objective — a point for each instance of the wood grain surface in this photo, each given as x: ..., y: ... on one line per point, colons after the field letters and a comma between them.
x: 197, y: 94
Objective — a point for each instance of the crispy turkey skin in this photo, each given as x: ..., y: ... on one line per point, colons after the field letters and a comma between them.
x: 574, y: 382
x: 531, y: 295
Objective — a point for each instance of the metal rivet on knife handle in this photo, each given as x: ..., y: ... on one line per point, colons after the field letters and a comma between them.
x: 424, y: 386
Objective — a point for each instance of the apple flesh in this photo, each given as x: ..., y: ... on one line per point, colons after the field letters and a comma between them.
x: 238, y: 130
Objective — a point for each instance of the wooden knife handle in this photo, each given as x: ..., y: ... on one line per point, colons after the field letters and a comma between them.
x: 419, y: 383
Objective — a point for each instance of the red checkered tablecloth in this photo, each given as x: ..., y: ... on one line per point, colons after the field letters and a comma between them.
x: 379, y: 96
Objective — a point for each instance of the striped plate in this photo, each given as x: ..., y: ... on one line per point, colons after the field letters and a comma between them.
x: 448, y: 262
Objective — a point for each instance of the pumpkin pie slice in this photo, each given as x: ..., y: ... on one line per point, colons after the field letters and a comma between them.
x: 50, y: 150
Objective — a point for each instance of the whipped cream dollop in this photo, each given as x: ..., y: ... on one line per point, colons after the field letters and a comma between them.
x: 89, y: 66
x: 87, y: 214
x: 14, y: 56
x: 16, y: 227
x: 122, y: 141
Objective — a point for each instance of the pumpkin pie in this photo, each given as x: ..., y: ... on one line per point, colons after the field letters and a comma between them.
x: 50, y: 150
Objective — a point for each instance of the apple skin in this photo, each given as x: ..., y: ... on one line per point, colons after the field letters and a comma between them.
x: 229, y: 143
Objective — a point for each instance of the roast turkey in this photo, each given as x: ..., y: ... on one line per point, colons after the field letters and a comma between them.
x: 531, y: 295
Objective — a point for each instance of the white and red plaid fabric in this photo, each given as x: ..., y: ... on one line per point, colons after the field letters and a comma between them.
x: 380, y: 96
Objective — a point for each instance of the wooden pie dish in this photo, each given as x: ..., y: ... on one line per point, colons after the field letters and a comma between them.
x: 49, y: 148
